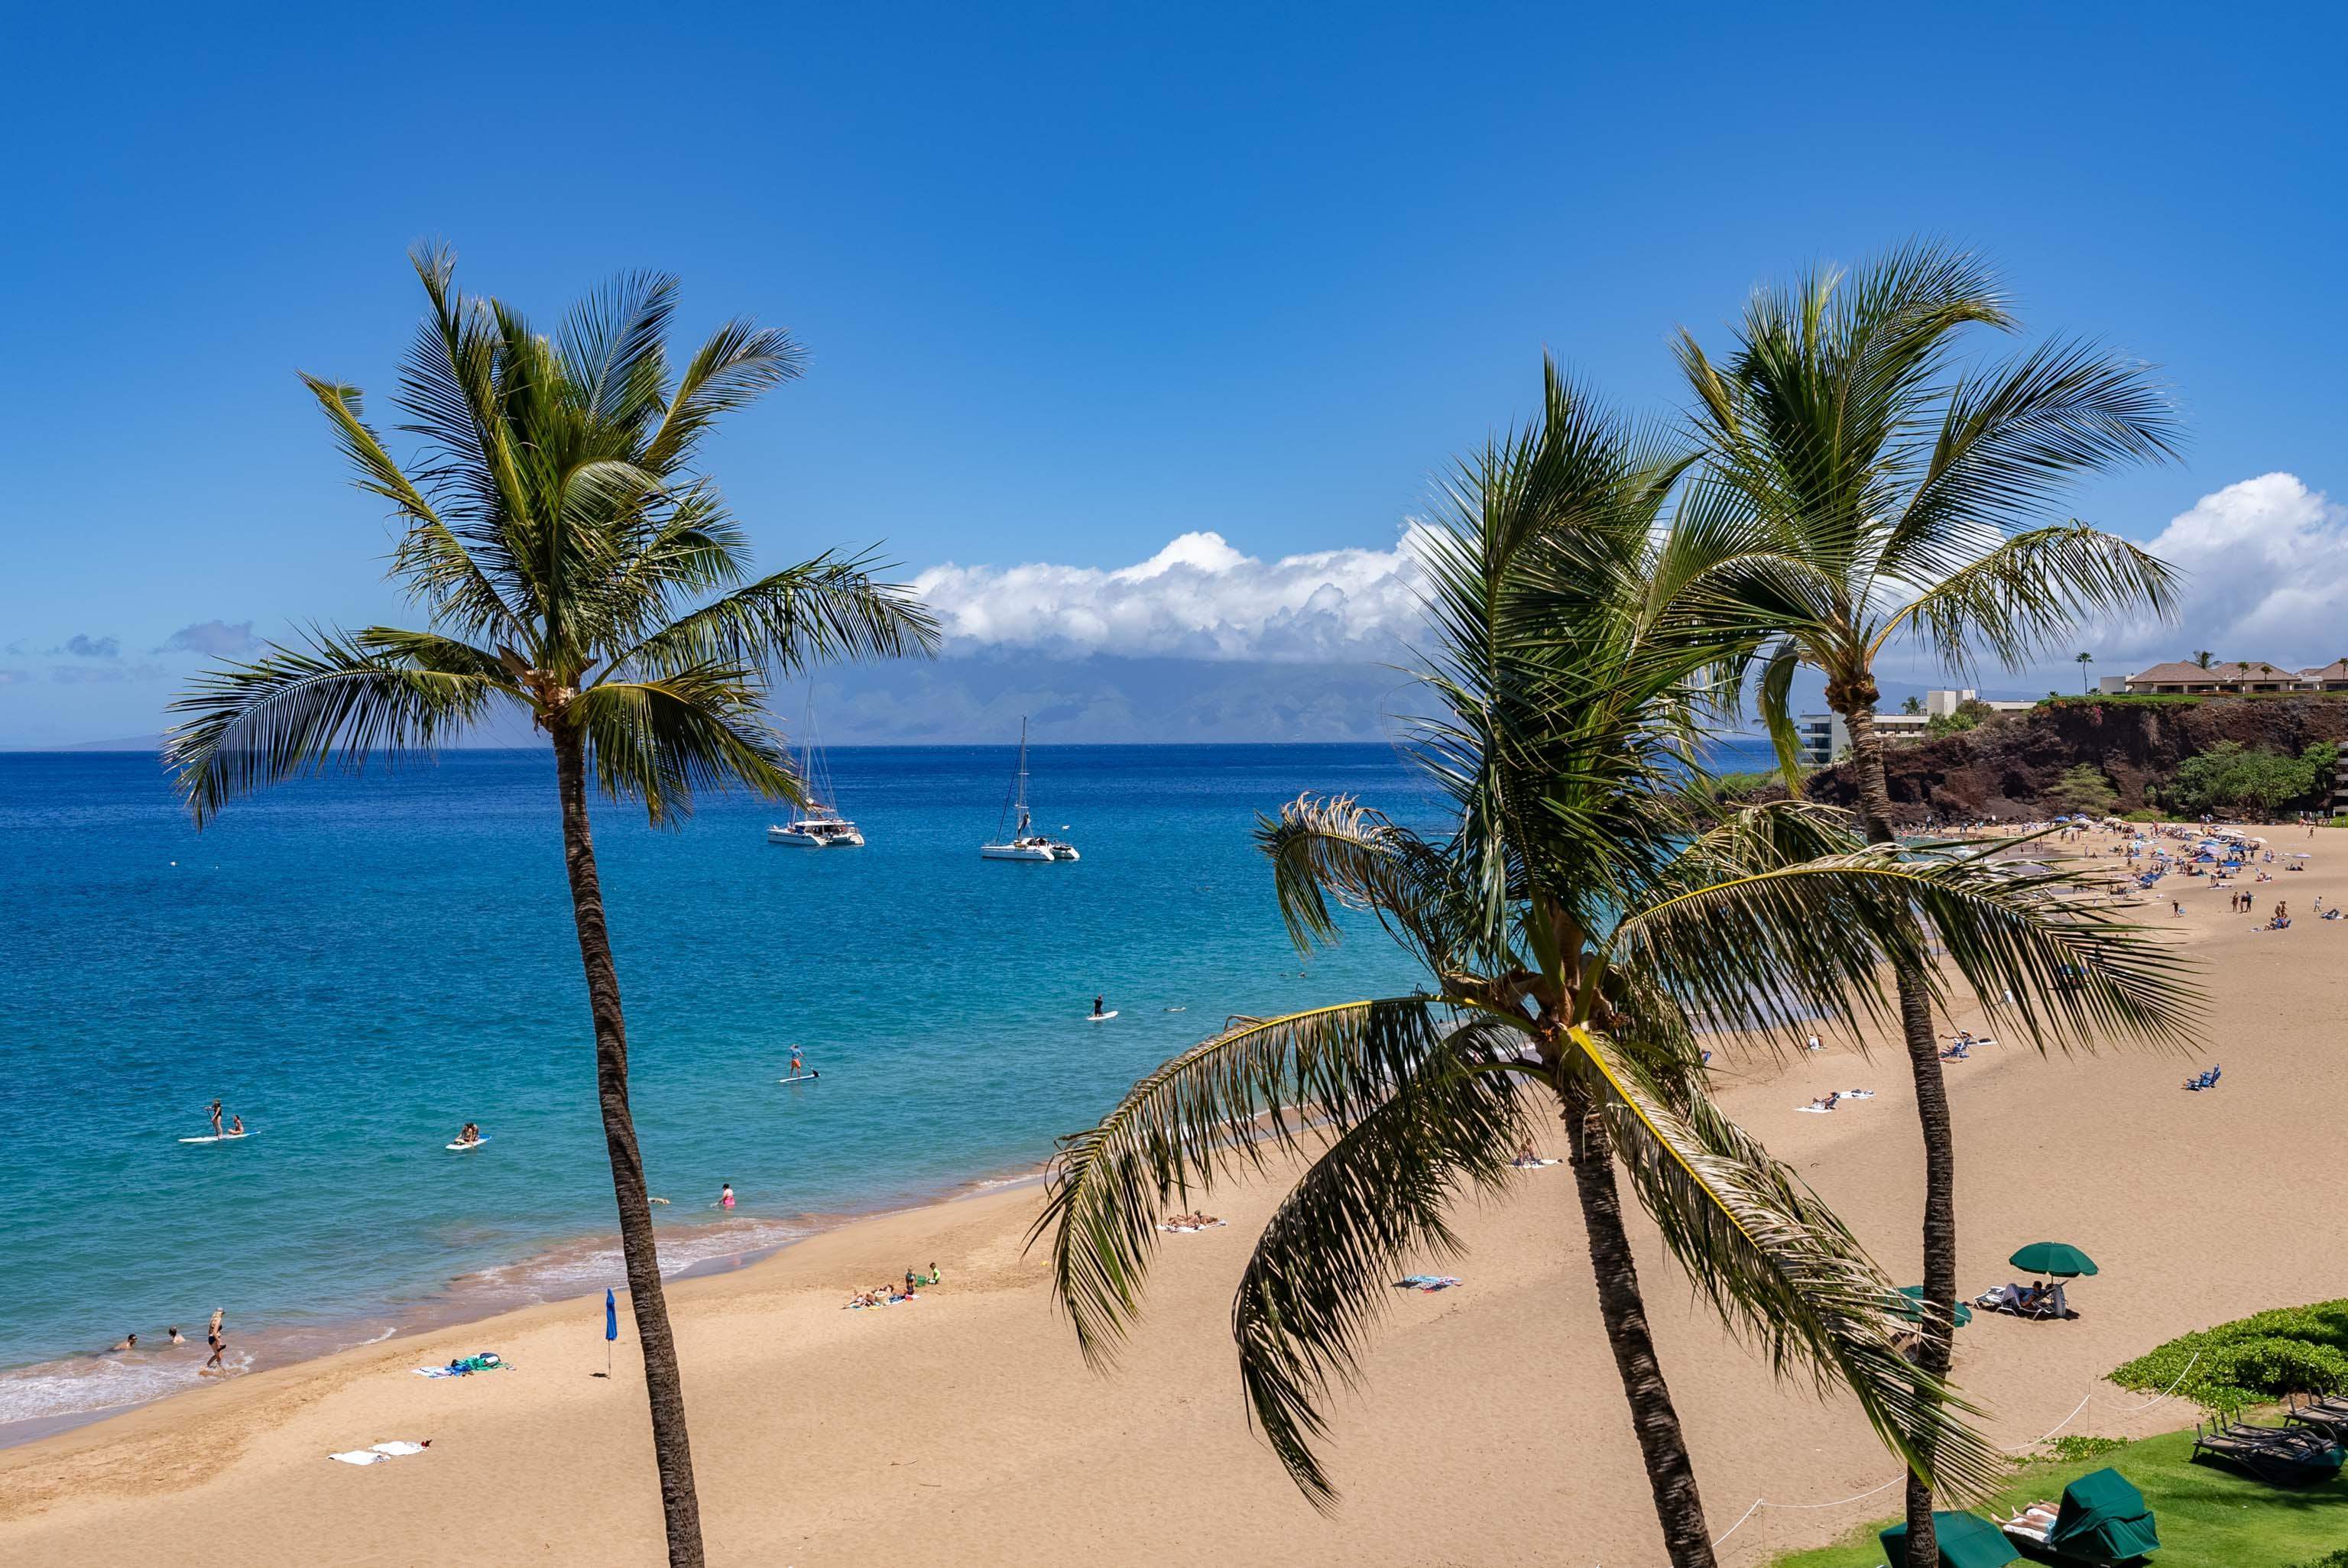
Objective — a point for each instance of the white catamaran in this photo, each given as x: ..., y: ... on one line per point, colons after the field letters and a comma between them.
x: 816, y: 826
x: 1021, y: 843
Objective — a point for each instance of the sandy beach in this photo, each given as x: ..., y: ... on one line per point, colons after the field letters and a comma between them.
x: 965, y: 1428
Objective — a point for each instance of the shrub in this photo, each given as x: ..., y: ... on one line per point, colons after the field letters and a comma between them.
x: 2252, y: 1361
x: 2085, y: 788
x: 2071, y: 1448
x: 2329, y: 1560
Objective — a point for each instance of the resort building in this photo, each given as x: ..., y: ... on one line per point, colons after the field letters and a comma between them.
x: 2228, y: 677
x: 1825, y: 736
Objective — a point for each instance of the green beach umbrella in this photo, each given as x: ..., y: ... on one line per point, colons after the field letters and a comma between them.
x: 1912, y: 1305
x: 2058, y: 1260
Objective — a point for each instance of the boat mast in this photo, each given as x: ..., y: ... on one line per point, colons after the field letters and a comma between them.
x: 1020, y: 831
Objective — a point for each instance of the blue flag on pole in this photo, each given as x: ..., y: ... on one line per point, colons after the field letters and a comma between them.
x: 610, y: 1315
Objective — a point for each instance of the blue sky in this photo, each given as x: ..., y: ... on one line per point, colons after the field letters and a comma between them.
x: 1077, y: 282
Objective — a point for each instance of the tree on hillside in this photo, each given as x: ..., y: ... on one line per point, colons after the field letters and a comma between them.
x: 2085, y: 788
x: 1586, y: 911
x: 574, y: 565
x: 1884, y: 489
x: 2231, y: 777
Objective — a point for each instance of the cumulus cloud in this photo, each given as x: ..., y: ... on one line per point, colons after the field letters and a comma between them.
x: 2266, y: 576
x: 1198, y: 598
x: 219, y: 638
x: 83, y: 646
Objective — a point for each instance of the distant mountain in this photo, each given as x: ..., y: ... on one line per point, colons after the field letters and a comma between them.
x: 127, y: 744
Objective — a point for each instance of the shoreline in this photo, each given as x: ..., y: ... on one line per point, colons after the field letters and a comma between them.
x: 548, y: 1276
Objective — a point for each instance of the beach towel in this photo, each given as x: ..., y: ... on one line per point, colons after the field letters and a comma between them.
x: 1534, y: 1164
x: 487, y: 1361
x: 396, y: 1448
x: 1425, y: 1282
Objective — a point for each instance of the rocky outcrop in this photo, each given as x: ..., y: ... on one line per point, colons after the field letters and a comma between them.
x: 2003, y: 769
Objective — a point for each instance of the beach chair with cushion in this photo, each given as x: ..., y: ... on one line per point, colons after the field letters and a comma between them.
x: 2280, y: 1456
x: 2103, y: 1521
x: 1965, y: 1540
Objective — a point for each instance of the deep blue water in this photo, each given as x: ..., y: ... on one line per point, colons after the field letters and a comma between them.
x: 359, y: 966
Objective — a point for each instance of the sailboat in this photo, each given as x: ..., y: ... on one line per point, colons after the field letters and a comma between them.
x: 1020, y: 843
x: 816, y: 826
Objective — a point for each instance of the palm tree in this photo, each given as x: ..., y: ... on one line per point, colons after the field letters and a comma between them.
x: 1589, y: 909
x: 575, y: 566
x: 2203, y: 658
x: 1884, y: 491
x: 2085, y: 662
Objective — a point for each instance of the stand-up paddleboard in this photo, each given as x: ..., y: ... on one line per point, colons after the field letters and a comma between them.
x: 1103, y: 1016
x: 217, y: 1138
x: 474, y: 1144
x: 1178, y: 1009
x: 801, y: 1078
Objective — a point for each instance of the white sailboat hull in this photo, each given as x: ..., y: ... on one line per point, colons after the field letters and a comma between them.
x: 816, y: 835
x: 1028, y: 851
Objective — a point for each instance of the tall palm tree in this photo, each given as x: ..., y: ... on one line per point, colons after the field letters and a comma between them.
x: 573, y: 566
x: 1587, y: 910
x: 2203, y: 656
x: 2085, y: 662
x: 1885, y: 490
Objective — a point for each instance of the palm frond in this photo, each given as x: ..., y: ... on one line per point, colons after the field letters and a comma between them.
x: 2017, y: 601
x: 1333, y: 852
x: 1777, y: 1266
x: 663, y: 739
x: 341, y: 700
x: 828, y: 609
x: 1210, y: 1112
x: 733, y: 367
x: 1322, y: 1272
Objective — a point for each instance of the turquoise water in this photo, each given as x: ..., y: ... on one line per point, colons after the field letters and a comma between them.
x: 357, y: 967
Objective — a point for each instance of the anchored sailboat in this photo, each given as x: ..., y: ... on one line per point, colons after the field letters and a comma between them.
x: 816, y: 826
x: 1020, y: 843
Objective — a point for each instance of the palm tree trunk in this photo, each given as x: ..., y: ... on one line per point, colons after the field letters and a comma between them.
x: 663, y: 1387
x: 1670, y: 1474
x: 1938, y: 1316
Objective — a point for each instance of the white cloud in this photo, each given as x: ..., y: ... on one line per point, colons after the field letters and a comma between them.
x: 218, y: 638
x: 1198, y: 598
x: 2265, y: 563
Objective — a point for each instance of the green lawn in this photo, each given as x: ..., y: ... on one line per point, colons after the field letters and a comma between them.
x: 2208, y: 1516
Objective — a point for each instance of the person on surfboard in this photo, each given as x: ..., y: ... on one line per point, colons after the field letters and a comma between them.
x: 1097, y: 1005
x: 798, y: 1063
x: 236, y: 1127
x: 216, y: 1118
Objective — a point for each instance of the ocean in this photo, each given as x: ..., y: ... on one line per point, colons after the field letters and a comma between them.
x: 357, y: 966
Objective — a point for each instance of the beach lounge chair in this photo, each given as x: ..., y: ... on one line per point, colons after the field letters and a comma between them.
x: 2103, y: 1521
x: 1965, y: 1540
x: 2280, y: 1456
x: 2327, y: 1413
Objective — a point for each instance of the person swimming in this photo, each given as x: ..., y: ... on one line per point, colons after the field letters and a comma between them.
x: 725, y: 1196
x: 127, y: 1342
x: 177, y: 1337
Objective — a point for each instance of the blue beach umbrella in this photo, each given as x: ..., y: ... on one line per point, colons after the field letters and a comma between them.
x: 611, y: 1328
